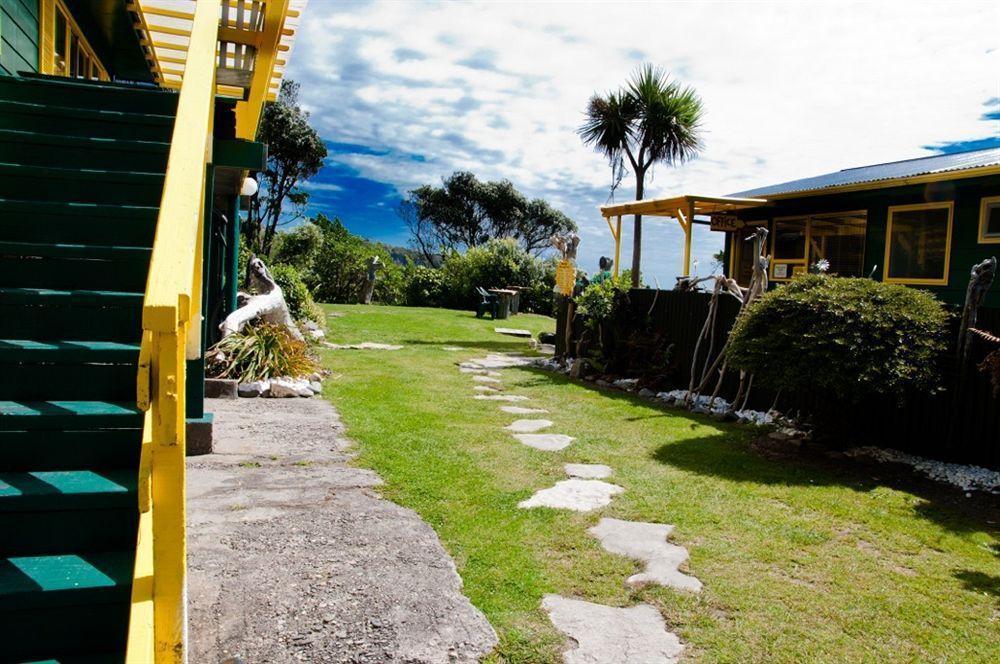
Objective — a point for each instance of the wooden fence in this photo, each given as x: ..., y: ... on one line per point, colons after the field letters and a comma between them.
x: 939, y: 426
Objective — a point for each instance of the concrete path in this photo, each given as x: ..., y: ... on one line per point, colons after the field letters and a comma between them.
x: 293, y: 557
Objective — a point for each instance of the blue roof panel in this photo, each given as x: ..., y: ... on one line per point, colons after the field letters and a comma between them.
x: 941, y: 163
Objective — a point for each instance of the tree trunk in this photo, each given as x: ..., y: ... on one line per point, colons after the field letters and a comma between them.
x: 640, y: 176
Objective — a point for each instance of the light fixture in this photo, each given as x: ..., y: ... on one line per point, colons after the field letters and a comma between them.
x: 249, y: 187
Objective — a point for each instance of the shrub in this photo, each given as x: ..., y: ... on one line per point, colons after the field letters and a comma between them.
x: 597, y: 303
x: 496, y: 264
x: 845, y: 337
x: 341, y: 263
x: 298, y: 247
x: 297, y: 297
x: 260, y: 351
x: 424, y: 286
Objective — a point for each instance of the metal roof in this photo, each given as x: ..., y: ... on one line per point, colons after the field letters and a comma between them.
x: 922, y: 166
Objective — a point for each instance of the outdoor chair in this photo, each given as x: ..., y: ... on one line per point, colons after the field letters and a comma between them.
x: 490, y: 303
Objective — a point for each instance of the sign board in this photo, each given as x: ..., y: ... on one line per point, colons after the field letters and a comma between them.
x: 781, y: 270
x: 565, y: 277
x: 725, y: 222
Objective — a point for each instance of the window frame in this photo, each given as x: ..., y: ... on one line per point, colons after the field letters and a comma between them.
x: 892, y: 209
x: 984, y: 204
x: 801, y: 265
x: 51, y: 9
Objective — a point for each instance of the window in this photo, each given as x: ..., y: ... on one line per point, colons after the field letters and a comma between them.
x: 800, y: 242
x: 989, y: 219
x: 71, y: 54
x: 918, y: 243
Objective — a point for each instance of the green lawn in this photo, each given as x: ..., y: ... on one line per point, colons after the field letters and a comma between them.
x: 803, y: 558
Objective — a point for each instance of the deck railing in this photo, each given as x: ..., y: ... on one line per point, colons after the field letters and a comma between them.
x: 171, y: 314
x: 171, y: 333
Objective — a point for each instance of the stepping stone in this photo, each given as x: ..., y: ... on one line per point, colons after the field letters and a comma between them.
x: 493, y: 374
x: 587, y: 471
x: 576, y: 495
x: 473, y: 370
x: 603, y: 634
x: 497, y: 361
x: 486, y: 379
x: 514, y: 332
x: 528, y: 426
x: 647, y: 542
x: 548, y: 442
x: 484, y: 388
x: 521, y: 410
x: 451, y: 348
x: 367, y: 345
x: 501, y: 397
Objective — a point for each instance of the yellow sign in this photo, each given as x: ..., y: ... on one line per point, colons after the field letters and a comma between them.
x: 565, y: 277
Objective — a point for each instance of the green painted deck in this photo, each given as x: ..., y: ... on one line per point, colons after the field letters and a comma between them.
x: 81, y: 173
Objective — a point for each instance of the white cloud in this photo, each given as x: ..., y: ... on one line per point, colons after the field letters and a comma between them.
x: 791, y: 90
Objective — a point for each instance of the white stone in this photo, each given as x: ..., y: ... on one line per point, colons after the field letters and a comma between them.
x: 316, y: 335
x: 316, y: 386
x: 514, y: 332
x: 587, y: 471
x: 528, y: 426
x: 493, y: 374
x: 484, y: 388
x: 547, y: 442
x: 965, y: 477
x: 252, y: 389
x: 497, y: 361
x: 608, y: 635
x: 282, y: 388
x: 521, y: 410
x: 472, y: 370
x: 647, y: 542
x: 451, y: 349
x: 501, y: 397
x: 577, y: 495
x: 486, y: 379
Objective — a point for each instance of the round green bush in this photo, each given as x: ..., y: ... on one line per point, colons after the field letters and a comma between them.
x: 846, y: 338
x: 424, y: 286
x: 297, y: 297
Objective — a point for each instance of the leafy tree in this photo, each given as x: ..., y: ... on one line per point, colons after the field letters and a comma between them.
x: 651, y: 120
x: 295, y: 153
x: 466, y: 212
x: 501, y: 263
x: 341, y: 262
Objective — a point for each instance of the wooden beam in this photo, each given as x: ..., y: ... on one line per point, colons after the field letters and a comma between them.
x: 248, y: 112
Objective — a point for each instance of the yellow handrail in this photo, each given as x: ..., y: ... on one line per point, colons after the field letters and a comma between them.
x: 171, y: 324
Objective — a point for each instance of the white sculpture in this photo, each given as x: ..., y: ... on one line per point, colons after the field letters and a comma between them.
x: 268, y: 305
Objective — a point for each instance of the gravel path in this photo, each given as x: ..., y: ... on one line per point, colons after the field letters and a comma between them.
x: 293, y: 557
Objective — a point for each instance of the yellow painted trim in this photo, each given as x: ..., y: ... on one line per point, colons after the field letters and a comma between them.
x: 248, y: 112
x: 983, y: 205
x: 47, y: 30
x: 807, y: 260
x: 618, y: 244
x: 950, y: 205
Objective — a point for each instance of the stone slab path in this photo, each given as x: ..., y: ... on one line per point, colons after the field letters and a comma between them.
x: 293, y: 556
x: 367, y: 345
x: 487, y: 379
x: 587, y: 471
x: 501, y: 397
x: 513, y: 331
x: 609, y: 635
x: 528, y: 426
x: 574, y: 494
x: 547, y: 442
x: 647, y: 542
x: 521, y: 410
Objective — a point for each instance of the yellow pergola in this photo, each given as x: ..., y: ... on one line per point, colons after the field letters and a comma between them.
x: 683, y: 208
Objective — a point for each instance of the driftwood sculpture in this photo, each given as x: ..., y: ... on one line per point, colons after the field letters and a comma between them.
x: 727, y: 286
x: 268, y: 304
x: 980, y: 281
x: 566, y: 244
x: 368, y: 288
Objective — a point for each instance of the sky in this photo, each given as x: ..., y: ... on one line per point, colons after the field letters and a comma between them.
x: 405, y: 93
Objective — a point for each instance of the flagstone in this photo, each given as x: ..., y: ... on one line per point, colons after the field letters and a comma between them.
x: 574, y: 494
x: 548, y: 442
x: 647, y: 542
x: 528, y: 426
x: 587, y: 471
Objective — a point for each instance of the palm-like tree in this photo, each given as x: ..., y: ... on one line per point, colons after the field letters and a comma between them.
x: 651, y: 120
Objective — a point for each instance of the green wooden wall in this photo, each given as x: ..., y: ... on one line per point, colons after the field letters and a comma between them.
x: 966, y: 249
x: 18, y: 36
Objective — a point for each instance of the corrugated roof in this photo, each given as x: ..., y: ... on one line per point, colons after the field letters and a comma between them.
x: 942, y: 163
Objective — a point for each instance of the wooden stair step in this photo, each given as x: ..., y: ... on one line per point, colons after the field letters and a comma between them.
x: 70, y: 579
x: 87, y: 251
x: 31, y: 351
x: 30, y: 415
x: 82, y: 223
x: 65, y: 490
x: 41, y: 296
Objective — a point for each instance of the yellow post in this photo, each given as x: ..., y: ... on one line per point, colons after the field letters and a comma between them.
x: 688, y: 227
x: 248, y: 112
x: 618, y: 243
x: 168, y: 493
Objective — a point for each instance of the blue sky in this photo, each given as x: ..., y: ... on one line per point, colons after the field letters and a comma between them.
x: 405, y: 93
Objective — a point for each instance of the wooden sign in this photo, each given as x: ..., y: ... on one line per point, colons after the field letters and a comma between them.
x: 726, y: 223
x: 565, y: 277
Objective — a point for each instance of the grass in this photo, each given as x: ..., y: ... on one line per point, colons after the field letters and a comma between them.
x: 803, y: 558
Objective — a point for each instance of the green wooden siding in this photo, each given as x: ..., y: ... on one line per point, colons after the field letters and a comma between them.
x: 966, y: 250
x: 18, y: 36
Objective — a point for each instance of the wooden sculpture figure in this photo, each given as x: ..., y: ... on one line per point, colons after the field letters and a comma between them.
x: 368, y: 288
x: 268, y: 304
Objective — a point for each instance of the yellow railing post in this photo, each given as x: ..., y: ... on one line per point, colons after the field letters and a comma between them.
x: 248, y: 112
